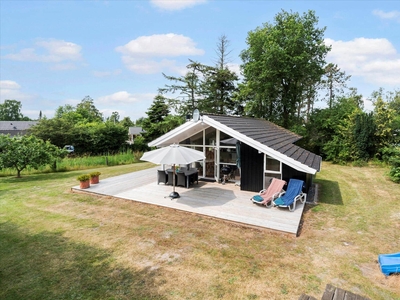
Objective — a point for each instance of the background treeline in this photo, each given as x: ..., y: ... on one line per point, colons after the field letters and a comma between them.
x: 83, y: 127
x: 284, y: 74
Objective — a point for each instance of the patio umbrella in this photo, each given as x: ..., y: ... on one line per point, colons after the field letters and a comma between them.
x: 171, y: 155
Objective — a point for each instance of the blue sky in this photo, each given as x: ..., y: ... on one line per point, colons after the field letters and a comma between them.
x: 57, y: 52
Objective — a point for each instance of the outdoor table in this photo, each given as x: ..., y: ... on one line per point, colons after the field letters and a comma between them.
x: 188, y: 173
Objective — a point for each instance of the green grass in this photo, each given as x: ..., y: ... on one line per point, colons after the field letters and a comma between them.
x: 55, y: 244
x: 83, y: 162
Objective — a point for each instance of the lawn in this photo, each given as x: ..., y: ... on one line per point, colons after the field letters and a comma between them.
x: 55, y: 244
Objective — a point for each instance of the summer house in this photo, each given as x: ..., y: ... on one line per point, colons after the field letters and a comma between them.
x: 243, y: 150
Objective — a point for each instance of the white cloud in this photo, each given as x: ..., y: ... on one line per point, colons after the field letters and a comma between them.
x: 9, y: 85
x: 375, y: 60
x: 161, y: 45
x: 149, y: 66
x: 63, y: 67
x: 48, y: 51
x: 11, y: 90
x: 147, y: 54
x: 234, y: 68
x: 391, y: 15
x: 176, y: 4
x: 123, y: 97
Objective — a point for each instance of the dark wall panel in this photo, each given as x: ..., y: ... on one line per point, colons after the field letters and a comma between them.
x: 288, y: 172
x: 252, y: 163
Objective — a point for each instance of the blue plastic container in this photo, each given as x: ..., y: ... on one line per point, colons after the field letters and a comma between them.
x: 389, y: 263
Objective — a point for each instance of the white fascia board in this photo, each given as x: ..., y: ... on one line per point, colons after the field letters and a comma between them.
x: 260, y: 147
x: 173, y: 133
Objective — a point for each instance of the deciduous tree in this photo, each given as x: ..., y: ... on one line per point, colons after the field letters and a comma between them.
x: 384, y: 118
x: 88, y: 110
x: 57, y: 131
x: 114, y: 118
x: 10, y: 110
x: 127, y: 122
x: 21, y: 152
x: 282, y: 61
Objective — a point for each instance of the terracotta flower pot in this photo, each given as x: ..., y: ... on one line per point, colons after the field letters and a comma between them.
x: 84, y: 184
x: 94, y: 180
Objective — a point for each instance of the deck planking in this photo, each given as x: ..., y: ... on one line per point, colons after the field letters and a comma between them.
x: 211, y: 199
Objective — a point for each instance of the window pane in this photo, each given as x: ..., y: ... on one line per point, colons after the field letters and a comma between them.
x: 227, y: 155
x: 224, y: 137
x: 210, y: 136
x: 272, y: 164
x: 196, y: 139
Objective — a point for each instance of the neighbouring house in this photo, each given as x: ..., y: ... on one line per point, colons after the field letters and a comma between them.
x: 255, y: 150
x: 14, y: 128
x: 133, y: 133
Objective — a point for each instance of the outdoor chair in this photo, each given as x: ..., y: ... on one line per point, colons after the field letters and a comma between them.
x: 162, y: 177
x: 266, y: 196
x: 292, y: 195
x: 171, y: 177
x: 194, y: 178
x: 181, y: 179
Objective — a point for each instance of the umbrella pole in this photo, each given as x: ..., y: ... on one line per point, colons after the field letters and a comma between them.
x: 173, y: 179
x: 174, y: 194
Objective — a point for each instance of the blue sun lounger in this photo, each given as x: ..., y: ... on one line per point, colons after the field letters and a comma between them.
x: 292, y: 194
x: 389, y: 263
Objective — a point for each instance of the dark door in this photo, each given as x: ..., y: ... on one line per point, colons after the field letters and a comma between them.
x: 252, y: 164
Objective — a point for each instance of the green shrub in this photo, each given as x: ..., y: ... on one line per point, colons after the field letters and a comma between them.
x: 391, y: 155
x: 94, y: 174
x: 394, y: 174
x: 83, y: 177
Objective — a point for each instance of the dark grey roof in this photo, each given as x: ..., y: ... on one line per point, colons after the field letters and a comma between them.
x: 272, y: 136
x: 15, y: 127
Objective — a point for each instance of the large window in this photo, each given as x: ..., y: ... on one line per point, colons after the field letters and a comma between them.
x: 224, y: 137
x: 196, y: 139
x: 211, y: 136
x: 272, y: 165
x: 219, y: 150
x: 273, y: 169
x: 227, y: 156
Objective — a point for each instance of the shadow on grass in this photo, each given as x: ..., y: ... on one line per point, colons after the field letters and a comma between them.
x: 49, y: 266
x: 329, y: 192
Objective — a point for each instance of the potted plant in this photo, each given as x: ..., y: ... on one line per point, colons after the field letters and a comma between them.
x: 84, y: 181
x: 94, y: 177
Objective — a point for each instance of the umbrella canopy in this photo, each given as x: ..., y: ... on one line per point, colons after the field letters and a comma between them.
x: 173, y: 154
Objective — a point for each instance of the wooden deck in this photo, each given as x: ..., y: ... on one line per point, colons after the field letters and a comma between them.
x: 211, y: 199
x: 334, y: 293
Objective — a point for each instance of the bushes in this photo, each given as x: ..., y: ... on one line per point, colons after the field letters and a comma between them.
x: 94, y: 138
x: 391, y: 155
x: 22, y: 152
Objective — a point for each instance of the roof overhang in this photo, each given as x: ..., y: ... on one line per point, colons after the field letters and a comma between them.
x: 186, y: 130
